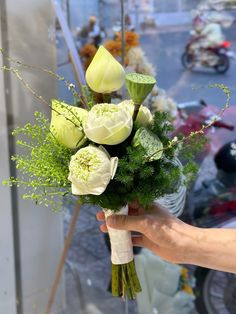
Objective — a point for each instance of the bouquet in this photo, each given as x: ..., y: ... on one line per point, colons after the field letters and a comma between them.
x: 107, y: 154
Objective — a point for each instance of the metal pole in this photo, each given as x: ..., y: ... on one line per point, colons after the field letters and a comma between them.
x: 137, y: 15
x: 68, y: 13
x: 101, y: 15
x: 179, y: 6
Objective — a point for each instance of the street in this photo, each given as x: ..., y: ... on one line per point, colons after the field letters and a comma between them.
x: 164, y: 51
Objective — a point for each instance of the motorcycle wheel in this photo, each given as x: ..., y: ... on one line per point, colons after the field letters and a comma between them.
x: 223, y: 63
x: 187, y: 61
x: 215, y: 291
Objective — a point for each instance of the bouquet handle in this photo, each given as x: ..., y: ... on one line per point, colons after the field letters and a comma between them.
x: 125, y: 281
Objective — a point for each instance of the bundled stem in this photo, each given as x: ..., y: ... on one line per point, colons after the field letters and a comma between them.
x: 125, y: 281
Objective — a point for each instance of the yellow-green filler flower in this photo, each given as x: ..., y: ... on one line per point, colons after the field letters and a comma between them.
x: 66, y: 124
x: 108, y: 124
x: 144, y: 116
x: 104, y: 74
x: 91, y: 169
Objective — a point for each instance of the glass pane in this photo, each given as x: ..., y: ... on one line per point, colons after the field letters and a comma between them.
x: 189, y: 5
x: 191, y: 55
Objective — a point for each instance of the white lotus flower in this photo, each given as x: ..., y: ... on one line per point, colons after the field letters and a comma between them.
x: 66, y: 124
x: 144, y: 115
x: 108, y: 124
x: 104, y: 74
x: 91, y: 169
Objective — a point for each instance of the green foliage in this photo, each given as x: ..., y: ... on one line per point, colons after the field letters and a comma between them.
x: 139, y: 179
x: 162, y: 127
x: 42, y: 164
x: 188, y: 151
x: 86, y: 100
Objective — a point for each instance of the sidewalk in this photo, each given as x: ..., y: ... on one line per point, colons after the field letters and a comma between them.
x: 162, y: 22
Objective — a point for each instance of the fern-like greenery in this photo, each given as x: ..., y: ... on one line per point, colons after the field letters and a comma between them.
x: 42, y: 163
x: 145, y: 181
x: 43, y: 167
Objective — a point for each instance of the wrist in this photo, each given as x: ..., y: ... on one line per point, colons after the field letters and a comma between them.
x: 211, y: 248
x: 189, y: 239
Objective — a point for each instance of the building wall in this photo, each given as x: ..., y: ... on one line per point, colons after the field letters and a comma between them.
x: 37, y: 235
x: 7, y: 258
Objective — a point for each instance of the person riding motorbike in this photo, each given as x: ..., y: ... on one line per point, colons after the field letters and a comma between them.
x: 207, y: 35
x: 95, y: 31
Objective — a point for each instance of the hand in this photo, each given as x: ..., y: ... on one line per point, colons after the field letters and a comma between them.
x: 175, y: 241
x: 159, y: 231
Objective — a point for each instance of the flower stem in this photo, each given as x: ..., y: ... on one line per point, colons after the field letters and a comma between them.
x: 136, y: 110
x: 98, y: 98
x: 106, y: 98
x: 125, y: 282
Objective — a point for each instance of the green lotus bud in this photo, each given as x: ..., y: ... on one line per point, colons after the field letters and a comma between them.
x: 139, y: 86
x: 150, y: 142
x: 66, y: 124
x: 104, y: 74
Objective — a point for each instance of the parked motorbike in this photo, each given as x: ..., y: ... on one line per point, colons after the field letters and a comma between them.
x: 192, y: 115
x: 217, y: 58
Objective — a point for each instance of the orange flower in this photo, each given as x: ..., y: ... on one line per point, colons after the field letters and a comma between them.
x: 87, y: 62
x: 131, y: 38
x: 88, y: 51
x: 114, y: 47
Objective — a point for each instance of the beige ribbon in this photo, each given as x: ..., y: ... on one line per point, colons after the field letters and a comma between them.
x: 121, y: 243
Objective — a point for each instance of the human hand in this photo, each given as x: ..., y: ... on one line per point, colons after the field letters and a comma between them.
x: 159, y: 231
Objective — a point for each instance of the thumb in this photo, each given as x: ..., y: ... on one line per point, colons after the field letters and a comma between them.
x: 125, y: 222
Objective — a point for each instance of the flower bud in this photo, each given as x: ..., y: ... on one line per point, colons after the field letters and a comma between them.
x: 108, y: 124
x: 144, y: 114
x: 91, y: 169
x: 104, y: 74
x: 139, y: 86
x: 66, y: 124
x: 150, y: 142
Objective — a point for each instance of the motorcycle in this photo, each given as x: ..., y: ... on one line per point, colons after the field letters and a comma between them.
x: 193, y: 115
x: 212, y: 57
